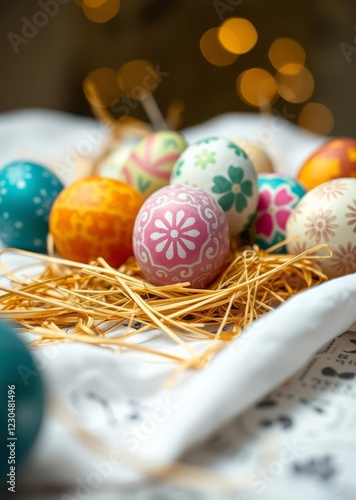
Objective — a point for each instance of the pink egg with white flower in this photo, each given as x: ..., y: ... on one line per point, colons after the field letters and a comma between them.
x: 278, y: 196
x: 181, y: 235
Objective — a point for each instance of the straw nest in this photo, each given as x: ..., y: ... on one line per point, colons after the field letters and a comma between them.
x: 82, y: 298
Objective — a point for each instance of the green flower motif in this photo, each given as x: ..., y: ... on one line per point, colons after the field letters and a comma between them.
x: 143, y: 184
x: 206, y: 141
x: 170, y: 143
x: 178, y: 169
x: 238, y: 151
x: 235, y: 189
x: 204, y: 158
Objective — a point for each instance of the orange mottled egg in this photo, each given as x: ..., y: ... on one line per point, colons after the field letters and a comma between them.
x: 333, y: 160
x: 94, y: 217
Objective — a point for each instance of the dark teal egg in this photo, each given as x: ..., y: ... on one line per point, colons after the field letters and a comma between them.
x: 21, y: 392
x: 277, y: 197
x: 27, y: 192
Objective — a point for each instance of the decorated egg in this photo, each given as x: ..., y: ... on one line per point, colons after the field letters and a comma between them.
x: 278, y: 195
x: 22, y: 392
x: 112, y: 165
x: 327, y: 214
x: 335, y: 159
x: 27, y: 192
x: 150, y: 163
x: 181, y: 235
x: 223, y: 170
x: 260, y: 159
x: 94, y: 217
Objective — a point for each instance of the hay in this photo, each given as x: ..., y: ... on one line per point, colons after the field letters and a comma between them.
x: 85, y: 296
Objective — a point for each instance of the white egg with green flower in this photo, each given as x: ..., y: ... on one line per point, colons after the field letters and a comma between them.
x: 222, y: 169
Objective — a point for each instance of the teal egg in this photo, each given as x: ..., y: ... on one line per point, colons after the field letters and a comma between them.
x: 27, y: 192
x: 277, y: 197
x: 22, y: 399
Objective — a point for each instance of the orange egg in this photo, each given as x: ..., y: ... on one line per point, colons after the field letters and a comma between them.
x: 333, y: 160
x: 94, y: 217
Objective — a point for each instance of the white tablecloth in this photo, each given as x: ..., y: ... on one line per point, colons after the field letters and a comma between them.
x: 273, y: 416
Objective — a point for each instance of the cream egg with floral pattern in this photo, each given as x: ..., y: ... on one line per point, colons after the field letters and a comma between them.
x: 327, y: 214
x: 222, y: 169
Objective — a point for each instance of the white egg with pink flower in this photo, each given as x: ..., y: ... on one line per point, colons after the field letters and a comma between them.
x: 278, y: 196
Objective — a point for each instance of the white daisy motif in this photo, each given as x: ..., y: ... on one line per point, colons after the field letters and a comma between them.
x: 43, y: 203
x: 175, y: 235
x: 18, y: 174
x: 8, y: 229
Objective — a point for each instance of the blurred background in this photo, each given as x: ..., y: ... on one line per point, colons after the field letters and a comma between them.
x: 201, y: 58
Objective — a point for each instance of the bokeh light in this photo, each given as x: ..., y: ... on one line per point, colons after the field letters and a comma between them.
x: 237, y: 35
x: 101, y: 87
x: 256, y: 87
x: 101, y: 11
x: 138, y: 79
x: 295, y: 87
x: 285, y: 51
x: 291, y: 69
x: 212, y: 49
x: 94, y: 4
x: 316, y: 118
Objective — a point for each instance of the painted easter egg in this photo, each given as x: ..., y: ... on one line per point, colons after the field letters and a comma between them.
x: 223, y: 170
x: 27, y: 192
x: 94, y: 217
x: 335, y: 159
x: 112, y: 165
x: 22, y: 395
x: 278, y: 196
x: 181, y: 235
x: 327, y: 214
x: 260, y: 159
x: 149, y: 165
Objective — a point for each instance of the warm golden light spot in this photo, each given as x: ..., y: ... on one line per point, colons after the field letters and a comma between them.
x: 94, y: 4
x: 317, y: 118
x: 291, y: 69
x: 237, y: 35
x: 138, y: 79
x: 256, y: 87
x: 212, y: 49
x: 285, y: 51
x: 101, y: 87
x: 101, y: 11
x: 297, y: 87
